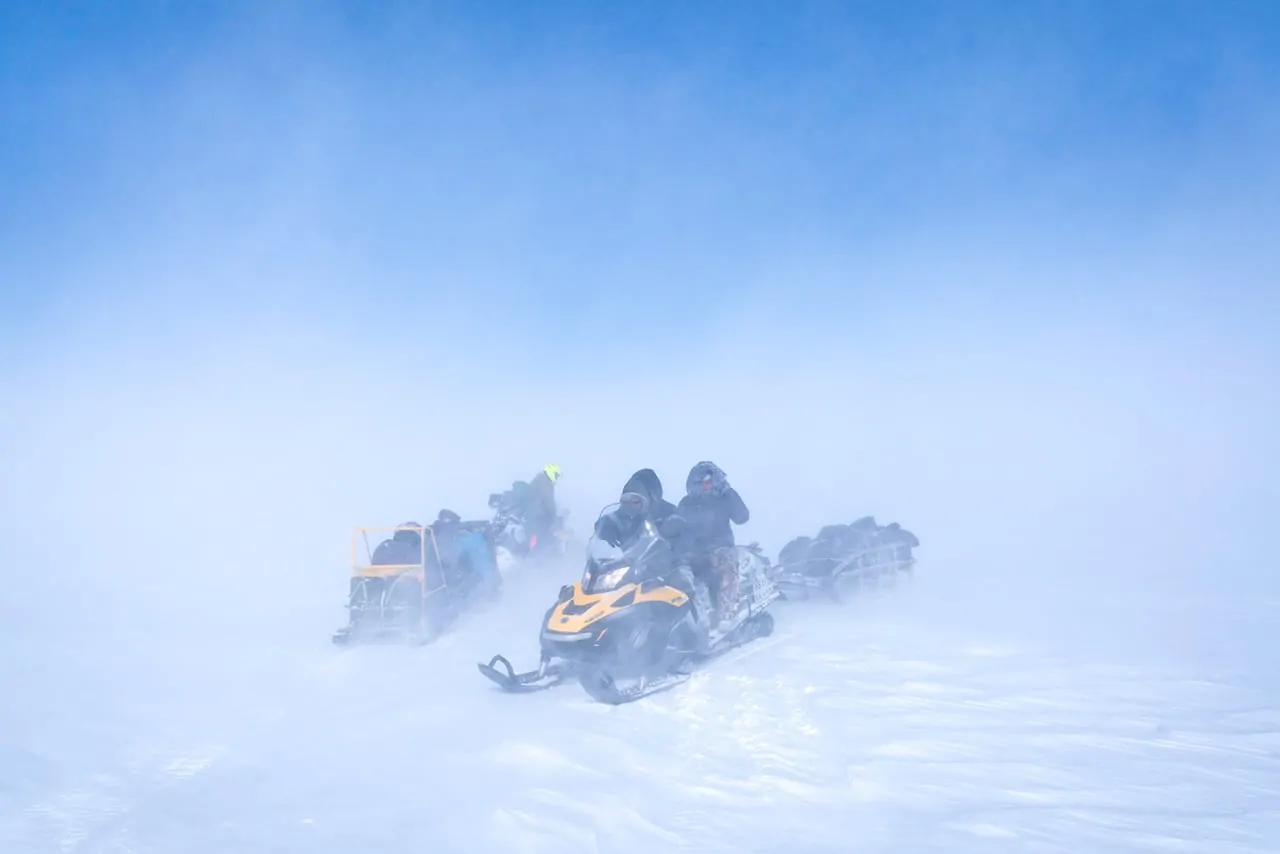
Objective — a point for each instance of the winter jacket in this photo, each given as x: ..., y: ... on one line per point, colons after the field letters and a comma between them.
x: 710, y: 519
x: 540, y: 506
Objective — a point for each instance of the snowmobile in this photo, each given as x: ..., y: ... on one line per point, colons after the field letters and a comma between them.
x: 406, y: 591
x: 845, y: 558
x: 513, y: 537
x: 624, y: 633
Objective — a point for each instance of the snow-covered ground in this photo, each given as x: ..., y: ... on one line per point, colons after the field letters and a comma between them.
x: 896, y: 724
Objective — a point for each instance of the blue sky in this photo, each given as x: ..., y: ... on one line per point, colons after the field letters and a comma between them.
x: 987, y: 218
x: 589, y: 146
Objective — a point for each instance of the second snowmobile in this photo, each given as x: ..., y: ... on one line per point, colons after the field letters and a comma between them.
x: 624, y: 632
x: 513, y: 537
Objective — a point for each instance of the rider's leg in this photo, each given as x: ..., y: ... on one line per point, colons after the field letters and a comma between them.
x: 687, y: 580
x: 726, y: 573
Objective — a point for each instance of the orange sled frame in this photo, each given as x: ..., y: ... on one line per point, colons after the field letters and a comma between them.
x: 393, y: 601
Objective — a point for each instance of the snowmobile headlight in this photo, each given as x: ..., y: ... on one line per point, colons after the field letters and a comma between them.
x: 610, y: 579
x: 559, y: 637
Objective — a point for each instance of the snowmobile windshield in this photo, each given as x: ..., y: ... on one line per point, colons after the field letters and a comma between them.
x: 608, y: 565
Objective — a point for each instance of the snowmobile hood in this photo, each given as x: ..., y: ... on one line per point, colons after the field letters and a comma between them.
x: 581, y: 611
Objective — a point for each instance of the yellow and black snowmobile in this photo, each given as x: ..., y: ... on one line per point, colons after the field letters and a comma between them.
x: 625, y: 632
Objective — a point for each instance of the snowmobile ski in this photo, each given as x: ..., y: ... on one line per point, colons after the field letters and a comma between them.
x: 521, y: 683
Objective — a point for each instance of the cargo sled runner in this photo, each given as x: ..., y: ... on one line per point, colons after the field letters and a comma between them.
x: 625, y: 633
x: 412, y: 588
x: 846, y: 559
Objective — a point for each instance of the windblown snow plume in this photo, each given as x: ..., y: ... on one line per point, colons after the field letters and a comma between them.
x: 272, y: 272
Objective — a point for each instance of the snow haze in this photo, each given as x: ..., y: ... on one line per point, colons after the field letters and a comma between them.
x: 299, y: 272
